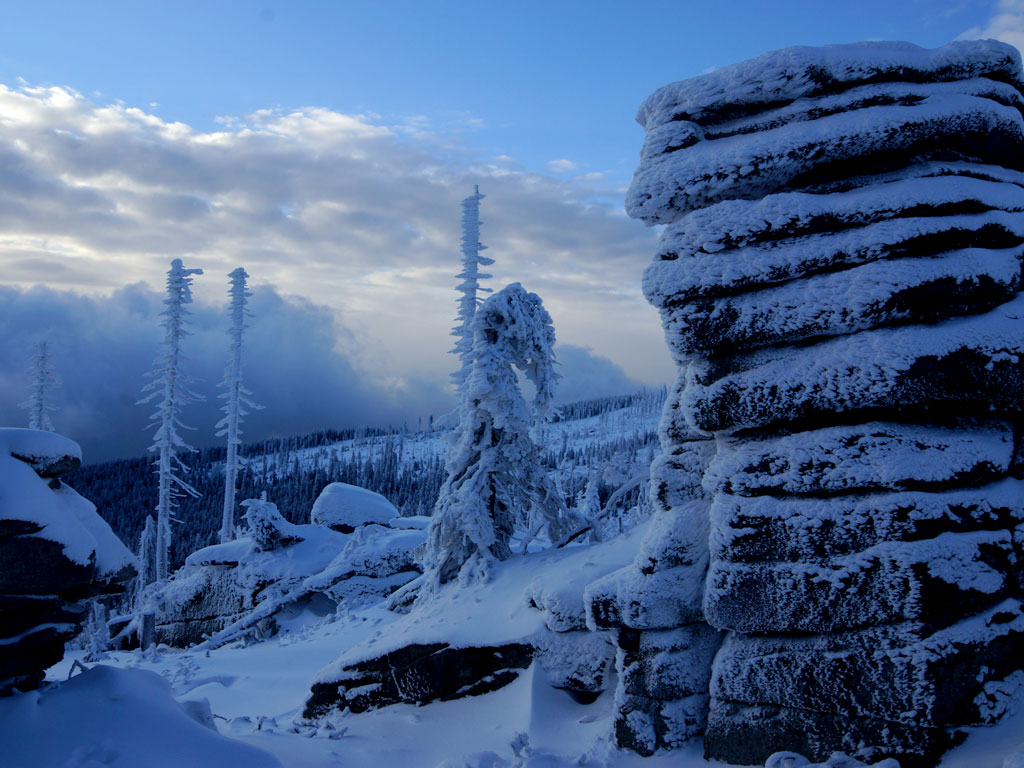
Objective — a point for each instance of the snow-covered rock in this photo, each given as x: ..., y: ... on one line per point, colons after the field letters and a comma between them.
x: 345, y: 507
x: 473, y: 638
x: 281, y: 565
x: 55, y: 551
x: 839, y: 280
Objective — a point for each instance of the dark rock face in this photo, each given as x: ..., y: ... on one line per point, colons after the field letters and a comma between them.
x: 839, y: 280
x: 418, y: 674
x: 55, y: 553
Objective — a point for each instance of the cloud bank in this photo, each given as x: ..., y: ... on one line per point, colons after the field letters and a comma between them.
x: 1006, y: 24
x: 297, y: 361
x: 348, y: 212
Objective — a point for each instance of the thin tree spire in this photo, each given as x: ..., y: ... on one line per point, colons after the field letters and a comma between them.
x: 170, y: 387
x: 236, y: 397
x: 472, y: 260
x: 44, y: 381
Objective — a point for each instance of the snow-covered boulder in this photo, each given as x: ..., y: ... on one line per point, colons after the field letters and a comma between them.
x: 839, y: 280
x: 473, y: 638
x: 55, y: 551
x: 345, y: 507
x: 282, y: 566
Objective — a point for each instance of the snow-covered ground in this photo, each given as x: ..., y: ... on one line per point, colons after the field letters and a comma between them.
x: 256, y: 693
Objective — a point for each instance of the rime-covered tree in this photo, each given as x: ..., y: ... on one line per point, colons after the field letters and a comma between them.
x: 472, y: 260
x: 44, y: 381
x: 236, y: 399
x: 495, y: 479
x: 588, y: 506
x: 170, y: 389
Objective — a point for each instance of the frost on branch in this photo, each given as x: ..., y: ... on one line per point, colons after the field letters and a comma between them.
x: 839, y: 280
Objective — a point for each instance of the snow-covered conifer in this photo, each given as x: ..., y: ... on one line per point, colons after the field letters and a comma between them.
x: 141, y: 594
x: 147, y: 544
x: 495, y: 480
x: 170, y: 388
x: 44, y: 381
x: 236, y: 397
x: 472, y: 260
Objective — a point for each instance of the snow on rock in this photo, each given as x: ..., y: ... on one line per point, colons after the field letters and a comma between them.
x: 879, y: 293
x: 839, y: 281
x: 748, y: 166
x: 345, y: 507
x: 977, y: 359
x: 938, y: 578
x: 578, y: 662
x: 911, y: 668
x: 280, y: 565
x: 862, y: 457
x: 474, y: 638
x: 374, y: 562
x: 740, y: 245
x: 118, y: 717
x: 795, y: 529
x: 783, y: 76
x: 48, y: 453
x: 55, y: 551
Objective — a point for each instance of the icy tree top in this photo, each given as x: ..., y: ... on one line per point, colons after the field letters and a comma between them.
x: 782, y: 76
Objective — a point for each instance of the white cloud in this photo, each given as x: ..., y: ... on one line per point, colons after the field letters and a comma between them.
x: 1006, y: 24
x: 344, y: 210
x: 561, y: 165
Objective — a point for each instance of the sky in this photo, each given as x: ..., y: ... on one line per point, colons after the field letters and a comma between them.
x: 325, y: 147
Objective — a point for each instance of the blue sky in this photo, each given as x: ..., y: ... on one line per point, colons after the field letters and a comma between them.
x: 537, y: 81
x: 325, y: 147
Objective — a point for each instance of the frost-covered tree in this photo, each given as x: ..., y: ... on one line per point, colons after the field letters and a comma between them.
x: 236, y: 398
x: 588, y: 506
x: 44, y: 381
x: 141, y: 604
x: 472, y: 260
x: 495, y: 479
x: 170, y: 388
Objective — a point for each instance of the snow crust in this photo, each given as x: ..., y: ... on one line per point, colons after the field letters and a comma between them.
x: 752, y: 166
x: 866, y: 296
x: 114, y: 717
x: 870, y: 456
x: 492, y: 612
x: 62, y: 515
x: 905, y: 204
x: 806, y: 529
x: 350, y: 505
x: 36, y: 444
x: 851, y: 372
x: 792, y: 73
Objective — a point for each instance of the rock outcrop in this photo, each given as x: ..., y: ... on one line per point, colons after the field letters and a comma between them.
x: 281, y: 568
x: 839, y: 282
x: 55, y: 554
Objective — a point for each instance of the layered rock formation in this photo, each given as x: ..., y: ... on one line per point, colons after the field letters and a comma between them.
x: 55, y: 554
x: 839, y: 280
